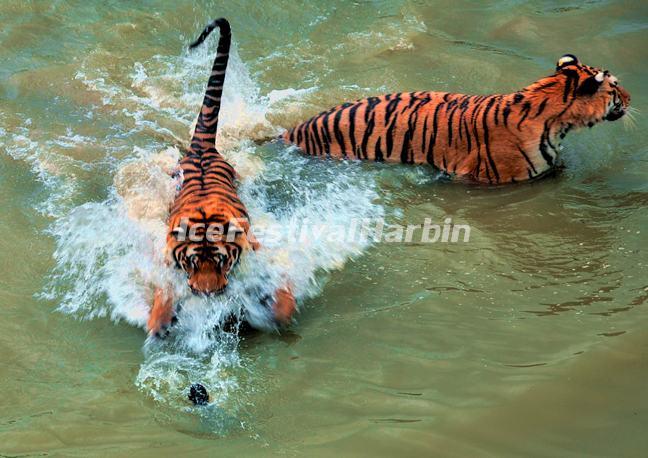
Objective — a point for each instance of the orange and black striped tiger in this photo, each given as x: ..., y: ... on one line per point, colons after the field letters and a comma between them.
x: 486, y: 138
x: 208, y: 199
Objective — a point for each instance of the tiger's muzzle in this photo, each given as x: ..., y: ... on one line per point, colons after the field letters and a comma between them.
x: 207, y: 279
x: 621, y: 102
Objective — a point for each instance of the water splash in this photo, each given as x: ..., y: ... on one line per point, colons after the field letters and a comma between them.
x: 109, y: 253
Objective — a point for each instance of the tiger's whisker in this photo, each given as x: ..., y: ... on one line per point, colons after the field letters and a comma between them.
x: 629, y: 122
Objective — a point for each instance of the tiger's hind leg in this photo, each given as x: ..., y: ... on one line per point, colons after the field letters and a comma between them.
x: 162, y: 314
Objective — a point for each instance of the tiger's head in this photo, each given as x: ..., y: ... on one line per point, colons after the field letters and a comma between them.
x: 584, y: 95
x: 207, y: 252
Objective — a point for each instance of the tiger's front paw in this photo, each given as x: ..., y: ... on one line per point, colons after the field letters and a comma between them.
x: 162, y: 315
x: 284, y: 306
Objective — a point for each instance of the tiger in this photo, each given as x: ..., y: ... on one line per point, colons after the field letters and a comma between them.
x: 207, y: 198
x: 489, y: 139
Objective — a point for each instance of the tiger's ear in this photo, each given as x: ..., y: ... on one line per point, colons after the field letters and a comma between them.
x: 248, y: 241
x: 589, y: 86
x: 244, y: 234
x: 566, y: 60
x: 252, y: 240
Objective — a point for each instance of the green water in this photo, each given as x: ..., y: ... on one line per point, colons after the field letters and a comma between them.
x: 530, y: 339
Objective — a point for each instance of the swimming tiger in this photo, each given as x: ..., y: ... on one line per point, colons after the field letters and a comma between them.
x: 207, y: 202
x: 490, y: 139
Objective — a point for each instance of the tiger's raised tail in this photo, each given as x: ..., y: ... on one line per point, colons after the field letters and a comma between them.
x: 204, y: 137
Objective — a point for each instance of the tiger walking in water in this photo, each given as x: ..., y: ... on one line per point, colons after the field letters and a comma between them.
x: 207, y: 198
x: 490, y: 139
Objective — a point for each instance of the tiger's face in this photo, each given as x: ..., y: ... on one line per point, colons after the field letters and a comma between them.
x: 208, y: 266
x: 207, y: 255
x: 593, y: 94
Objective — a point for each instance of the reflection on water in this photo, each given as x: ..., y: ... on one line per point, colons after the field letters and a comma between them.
x: 414, y: 347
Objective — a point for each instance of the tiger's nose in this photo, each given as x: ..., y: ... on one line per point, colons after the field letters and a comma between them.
x: 625, y: 95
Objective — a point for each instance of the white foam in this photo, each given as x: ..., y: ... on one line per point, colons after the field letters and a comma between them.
x: 51, y: 168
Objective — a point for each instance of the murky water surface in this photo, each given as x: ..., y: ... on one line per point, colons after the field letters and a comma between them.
x: 530, y: 339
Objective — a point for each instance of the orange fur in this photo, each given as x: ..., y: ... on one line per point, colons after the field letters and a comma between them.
x: 161, y: 312
x: 284, y: 306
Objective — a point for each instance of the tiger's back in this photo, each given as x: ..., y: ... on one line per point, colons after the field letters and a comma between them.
x: 208, y: 186
x: 413, y: 128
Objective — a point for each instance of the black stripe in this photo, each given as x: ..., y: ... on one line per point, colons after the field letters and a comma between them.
x: 389, y: 139
x: 452, y: 109
x: 543, y: 146
x: 546, y: 85
x: 339, y: 136
x: 541, y: 108
x: 506, y: 112
x: 369, y: 113
x: 526, y: 157
x: 352, y: 114
x: 468, y: 139
x: 326, y: 141
x: 463, y: 107
x: 571, y: 84
x: 423, y: 139
x: 477, y: 106
x: 379, y: 155
x: 497, y: 109
x: 300, y: 136
x: 407, y: 138
x: 316, y: 138
x: 310, y: 142
x: 325, y: 124
x: 412, y: 100
x: 368, y: 131
x: 525, y: 109
x: 433, y: 134
x: 491, y: 162
x: 391, y: 107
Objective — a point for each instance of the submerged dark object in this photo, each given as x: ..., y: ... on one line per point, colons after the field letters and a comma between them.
x: 198, y: 395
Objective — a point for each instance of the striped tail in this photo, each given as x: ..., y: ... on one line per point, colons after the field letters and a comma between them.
x: 205, y: 134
